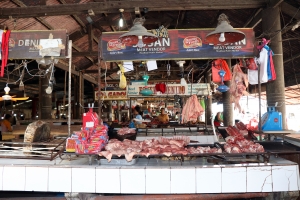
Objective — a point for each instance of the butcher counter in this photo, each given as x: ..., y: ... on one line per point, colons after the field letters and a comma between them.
x: 149, y: 176
x: 244, y: 174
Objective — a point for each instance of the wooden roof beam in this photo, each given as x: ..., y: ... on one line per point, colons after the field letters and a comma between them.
x: 111, y: 71
x: 257, y: 17
x: 110, y: 25
x: 84, y: 54
x: 39, y: 19
x: 291, y: 58
x: 80, y: 50
x: 86, y: 66
x: 76, y: 18
x: 274, y: 3
x: 128, y: 6
x: 292, y: 12
x: 65, y: 66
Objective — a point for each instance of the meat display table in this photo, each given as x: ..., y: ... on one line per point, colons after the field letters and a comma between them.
x: 276, y: 133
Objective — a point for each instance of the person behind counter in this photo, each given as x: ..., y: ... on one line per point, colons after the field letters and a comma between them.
x: 5, y: 125
x: 163, y: 117
x: 218, y: 119
x: 138, y: 114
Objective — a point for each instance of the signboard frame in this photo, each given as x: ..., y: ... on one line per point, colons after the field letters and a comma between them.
x: 25, y: 44
x: 180, y: 44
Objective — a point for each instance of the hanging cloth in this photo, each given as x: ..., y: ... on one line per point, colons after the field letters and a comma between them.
x: 217, y: 65
x: 272, y: 66
x: 248, y: 63
x: 1, y: 33
x: 4, y: 48
x: 262, y: 62
x: 270, y: 54
x: 202, y: 103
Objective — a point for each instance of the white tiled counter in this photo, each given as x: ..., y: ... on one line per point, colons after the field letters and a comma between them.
x: 148, y: 176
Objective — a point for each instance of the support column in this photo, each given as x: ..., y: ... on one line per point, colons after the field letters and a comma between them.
x: 81, y: 93
x: 76, y: 101
x: 99, y: 90
x: 227, y: 105
x: 46, y: 99
x: 208, y: 102
x: 34, y: 108
x: 110, y: 111
x: 275, y: 89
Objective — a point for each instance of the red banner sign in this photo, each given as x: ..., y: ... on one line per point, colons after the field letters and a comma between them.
x: 177, y: 44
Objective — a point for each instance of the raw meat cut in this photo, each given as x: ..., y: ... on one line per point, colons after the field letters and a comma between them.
x: 124, y: 131
x: 162, y: 146
x: 191, y: 110
x: 106, y: 154
x: 242, y: 128
x: 236, y: 143
x: 238, y: 86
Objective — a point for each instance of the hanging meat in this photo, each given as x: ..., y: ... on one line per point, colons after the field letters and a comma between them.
x: 191, y: 110
x: 239, y: 84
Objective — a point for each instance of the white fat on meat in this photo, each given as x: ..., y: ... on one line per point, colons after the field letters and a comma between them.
x: 106, y: 154
x: 191, y: 110
x: 165, y: 146
x: 129, y: 156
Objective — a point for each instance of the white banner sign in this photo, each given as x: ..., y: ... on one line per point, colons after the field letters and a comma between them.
x: 171, y: 89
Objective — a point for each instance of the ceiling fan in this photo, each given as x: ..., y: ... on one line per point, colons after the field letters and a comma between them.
x: 12, y: 98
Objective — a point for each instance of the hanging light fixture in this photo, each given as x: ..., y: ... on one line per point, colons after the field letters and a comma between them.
x: 138, y: 35
x: 180, y: 63
x: 224, y: 33
x: 183, y: 81
x: 48, y: 90
x: 121, y: 20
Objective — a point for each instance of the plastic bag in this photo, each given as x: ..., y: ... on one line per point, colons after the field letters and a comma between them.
x: 202, y: 103
x: 123, y: 82
x: 249, y: 63
x: 217, y: 65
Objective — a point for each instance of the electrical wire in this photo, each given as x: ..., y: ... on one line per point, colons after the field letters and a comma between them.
x: 279, y: 31
x: 207, y: 66
x: 189, y: 75
x: 291, y: 54
x: 52, y: 69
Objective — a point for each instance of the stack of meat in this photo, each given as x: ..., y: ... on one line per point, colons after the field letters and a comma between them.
x: 236, y: 143
x: 242, y: 128
x: 164, y: 146
x: 126, y: 131
x: 191, y: 110
x: 253, y: 124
